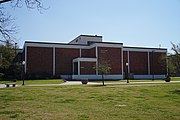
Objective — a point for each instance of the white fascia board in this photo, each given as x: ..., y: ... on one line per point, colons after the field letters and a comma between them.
x: 144, y: 50
x: 85, y: 59
x: 54, y: 45
x: 73, y: 46
x: 106, y: 45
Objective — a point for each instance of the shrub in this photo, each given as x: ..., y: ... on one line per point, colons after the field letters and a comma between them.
x: 2, y: 76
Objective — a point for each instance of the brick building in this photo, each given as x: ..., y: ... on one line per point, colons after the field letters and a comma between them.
x: 77, y: 59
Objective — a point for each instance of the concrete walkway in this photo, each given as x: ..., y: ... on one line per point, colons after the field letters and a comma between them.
x: 148, y: 82
x: 76, y: 83
x: 141, y: 83
x: 2, y: 85
x: 98, y: 83
x: 65, y: 83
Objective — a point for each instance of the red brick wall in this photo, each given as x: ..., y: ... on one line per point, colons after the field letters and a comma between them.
x: 87, y: 68
x: 84, y: 52
x: 90, y: 53
x: 39, y: 60
x: 112, y: 56
x: 138, y: 63
x: 157, y: 66
x: 64, y: 60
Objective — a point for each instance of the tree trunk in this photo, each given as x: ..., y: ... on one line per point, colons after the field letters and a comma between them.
x: 103, y: 79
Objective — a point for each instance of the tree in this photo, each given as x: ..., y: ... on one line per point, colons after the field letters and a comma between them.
x: 7, y: 31
x: 7, y: 64
x: 3, y: 1
x: 167, y: 59
x: 7, y: 26
x: 175, y: 58
x: 103, y: 69
x: 7, y: 54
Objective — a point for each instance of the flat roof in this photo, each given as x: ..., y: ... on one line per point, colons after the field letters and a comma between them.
x: 91, y: 36
x: 54, y: 43
x: 89, y: 43
x: 145, y: 48
x: 92, y: 42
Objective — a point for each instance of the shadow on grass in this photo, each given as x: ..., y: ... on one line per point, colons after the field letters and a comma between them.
x: 176, y: 91
x: 96, y: 86
x: 106, y: 85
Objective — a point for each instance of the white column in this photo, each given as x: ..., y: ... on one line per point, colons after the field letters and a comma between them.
x: 167, y: 67
x: 25, y: 66
x: 97, y: 60
x: 73, y: 68
x: 79, y: 68
x: 122, y: 60
x: 128, y: 62
x: 80, y: 52
x: 54, y: 60
x: 149, y: 64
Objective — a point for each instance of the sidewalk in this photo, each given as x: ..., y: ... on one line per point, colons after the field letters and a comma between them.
x: 2, y: 85
x: 65, y: 83
x: 141, y: 83
x: 96, y: 83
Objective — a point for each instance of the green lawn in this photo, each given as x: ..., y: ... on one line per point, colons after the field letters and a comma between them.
x: 175, y: 78
x: 49, y: 81
x: 91, y: 102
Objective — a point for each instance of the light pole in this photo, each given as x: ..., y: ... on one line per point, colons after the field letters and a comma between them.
x: 22, y: 71
x: 127, y: 65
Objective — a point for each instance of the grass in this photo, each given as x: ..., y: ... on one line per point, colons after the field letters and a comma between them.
x: 49, y: 81
x: 91, y: 102
x: 149, y: 80
x: 175, y: 78
x: 143, y: 80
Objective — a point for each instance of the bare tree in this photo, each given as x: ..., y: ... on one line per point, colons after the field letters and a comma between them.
x: 173, y: 60
x: 8, y: 30
x: 176, y: 57
x: 31, y: 4
x: 7, y: 26
x: 176, y: 48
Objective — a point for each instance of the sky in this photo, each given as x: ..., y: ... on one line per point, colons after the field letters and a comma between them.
x: 138, y: 23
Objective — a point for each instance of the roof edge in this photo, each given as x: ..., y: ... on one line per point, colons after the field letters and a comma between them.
x: 145, y: 48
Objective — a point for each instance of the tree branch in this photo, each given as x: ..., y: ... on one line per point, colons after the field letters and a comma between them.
x: 7, y: 26
x: 31, y: 4
x: 3, y: 1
